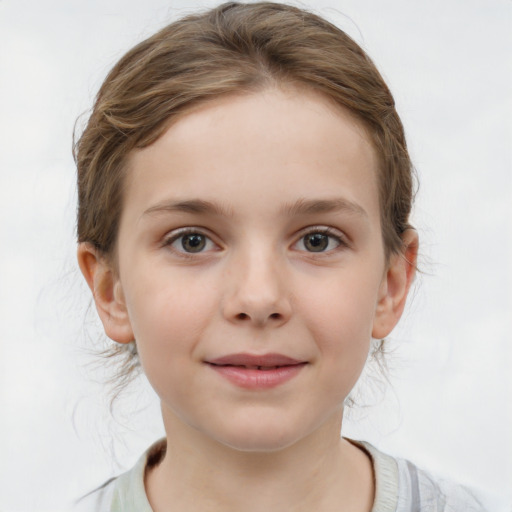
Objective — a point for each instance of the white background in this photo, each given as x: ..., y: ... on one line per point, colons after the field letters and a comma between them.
x: 449, y: 406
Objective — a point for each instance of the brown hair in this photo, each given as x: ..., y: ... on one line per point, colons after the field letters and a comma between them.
x: 234, y: 48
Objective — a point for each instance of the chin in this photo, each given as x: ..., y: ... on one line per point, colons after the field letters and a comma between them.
x: 258, y: 445
x: 261, y: 439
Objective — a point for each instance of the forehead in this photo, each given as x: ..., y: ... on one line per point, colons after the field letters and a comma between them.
x: 279, y: 144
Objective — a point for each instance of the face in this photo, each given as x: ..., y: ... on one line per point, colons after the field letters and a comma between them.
x: 251, y: 269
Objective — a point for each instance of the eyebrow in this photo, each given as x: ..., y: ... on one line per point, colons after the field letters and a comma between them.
x: 197, y: 206
x: 311, y: 206
x: 300, y: 207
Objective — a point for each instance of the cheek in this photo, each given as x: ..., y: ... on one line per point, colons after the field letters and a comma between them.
x: 168, y: 319
x: 339, y: 316
x: 342, y: 303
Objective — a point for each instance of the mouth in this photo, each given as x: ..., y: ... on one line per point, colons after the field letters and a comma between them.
x: 263, y: 368
x: 259, y: 362
x: 257, y: 371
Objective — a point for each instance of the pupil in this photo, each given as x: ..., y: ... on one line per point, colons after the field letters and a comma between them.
x: 193, y: 243
x: 316, y: 242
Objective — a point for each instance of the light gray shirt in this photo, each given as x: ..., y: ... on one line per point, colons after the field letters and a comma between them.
x: 399, y: 487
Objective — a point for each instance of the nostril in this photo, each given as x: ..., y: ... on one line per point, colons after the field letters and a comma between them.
x: 245, y: 316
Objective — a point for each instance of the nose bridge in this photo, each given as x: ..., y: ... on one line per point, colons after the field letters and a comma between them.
x: 257, y: 291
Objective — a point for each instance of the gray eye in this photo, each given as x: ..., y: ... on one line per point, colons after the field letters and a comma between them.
x: 316, y: 242
x: 194, y: 242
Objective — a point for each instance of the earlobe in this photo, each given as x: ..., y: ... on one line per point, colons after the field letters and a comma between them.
x: 395, y: 286
x: 107, y: 293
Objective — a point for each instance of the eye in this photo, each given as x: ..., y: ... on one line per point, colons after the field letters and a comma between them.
x: 319, y: 241
x: 193, y: 242
x: 190, y: 242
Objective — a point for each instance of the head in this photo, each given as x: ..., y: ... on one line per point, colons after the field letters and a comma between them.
x: 194, y: 65
x: 233, y: 49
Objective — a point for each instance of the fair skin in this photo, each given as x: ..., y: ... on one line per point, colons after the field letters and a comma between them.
x: 282, y: 254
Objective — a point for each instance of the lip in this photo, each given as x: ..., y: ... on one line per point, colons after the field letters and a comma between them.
x: 256, y: 371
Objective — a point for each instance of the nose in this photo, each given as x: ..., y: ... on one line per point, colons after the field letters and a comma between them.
x: 256, y: 291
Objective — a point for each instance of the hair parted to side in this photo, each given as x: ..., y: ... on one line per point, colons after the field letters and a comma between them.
x: 234, y: 48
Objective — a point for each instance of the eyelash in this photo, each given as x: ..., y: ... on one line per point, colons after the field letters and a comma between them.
x: 180, y: 234
x: 313, y: 230
x: 325, y: 231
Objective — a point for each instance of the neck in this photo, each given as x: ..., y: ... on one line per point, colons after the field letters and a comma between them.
x: 319, y: 472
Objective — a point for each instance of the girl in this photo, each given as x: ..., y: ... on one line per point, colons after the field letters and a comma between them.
x: 243, y: 224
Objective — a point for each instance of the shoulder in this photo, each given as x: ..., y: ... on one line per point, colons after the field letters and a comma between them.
x: 403, y: 487
x: 99, y: 499
x: 122, y: 494
x: 420, y: 488
x: 125, y: 493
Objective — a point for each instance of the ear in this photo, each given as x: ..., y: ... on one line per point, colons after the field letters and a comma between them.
x: 107, y: 293
x: 395, y: 286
